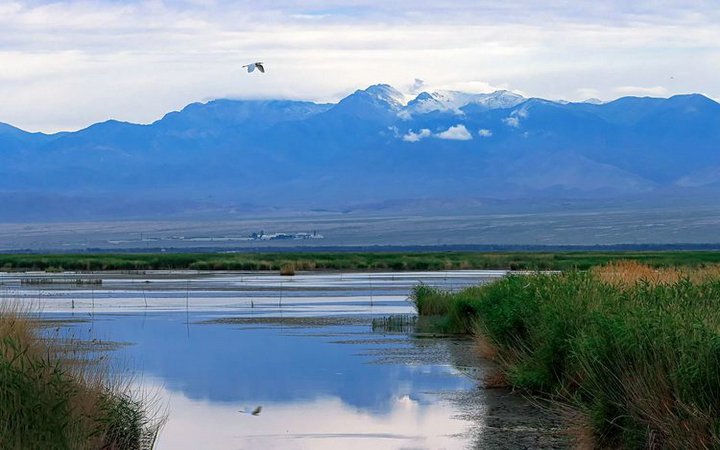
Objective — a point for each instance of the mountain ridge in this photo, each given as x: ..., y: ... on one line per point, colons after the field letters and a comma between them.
x: 375, y: 146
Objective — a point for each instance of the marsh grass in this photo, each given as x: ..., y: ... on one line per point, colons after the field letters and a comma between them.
x: 633, y: 350
x: 430, y: 301
x: 52, y: 397
x: 394, y: 261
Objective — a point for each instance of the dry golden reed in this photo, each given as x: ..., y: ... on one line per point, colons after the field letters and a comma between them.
x: 628, y: 273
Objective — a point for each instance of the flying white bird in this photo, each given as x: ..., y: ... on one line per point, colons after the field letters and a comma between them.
x: 251, y: 67
x: 255, y: 412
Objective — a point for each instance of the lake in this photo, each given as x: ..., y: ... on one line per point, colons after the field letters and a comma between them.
x: 212, y: 347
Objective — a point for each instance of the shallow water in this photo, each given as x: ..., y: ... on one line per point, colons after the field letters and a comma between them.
x: 302, y: 347
x: 318, y: 295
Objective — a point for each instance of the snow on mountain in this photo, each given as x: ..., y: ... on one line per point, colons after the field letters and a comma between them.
x: 387, y: 94
x: 378, y: 102
x: 498, y: 99
x: 454, y: 101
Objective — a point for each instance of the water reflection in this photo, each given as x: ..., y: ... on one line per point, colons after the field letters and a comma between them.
x: 266, y: 363
x: 321, y: 423
x: 320, y: 387
x: 331, y: 384
x: 309, y: 294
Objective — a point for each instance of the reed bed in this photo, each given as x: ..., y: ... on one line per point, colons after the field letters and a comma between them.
x: 393, y: 261
x: 51, y: 397
x: 633, y: 351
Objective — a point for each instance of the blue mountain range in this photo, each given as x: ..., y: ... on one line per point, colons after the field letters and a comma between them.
x: 372, y: 146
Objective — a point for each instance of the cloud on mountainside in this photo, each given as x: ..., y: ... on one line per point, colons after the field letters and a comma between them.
x: 455, y: 133
x: 512, y: 122
x: 411, y: 136
x: 417, y: 86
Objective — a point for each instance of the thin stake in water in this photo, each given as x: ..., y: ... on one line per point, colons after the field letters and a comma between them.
x: 371, y: 290
x: 187, y: 307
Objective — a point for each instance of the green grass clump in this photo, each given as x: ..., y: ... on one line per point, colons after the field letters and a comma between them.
x: 430, y: 301
x: 49, y: 400
x: 640, y: 360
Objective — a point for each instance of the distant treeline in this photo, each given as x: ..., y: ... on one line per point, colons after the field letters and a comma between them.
x: 394, y: 261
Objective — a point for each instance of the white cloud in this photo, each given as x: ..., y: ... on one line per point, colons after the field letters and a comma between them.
x: 642, y: 91
x: 404, y: 115
x: 512, y: 121
x: 484, y: 132
x: 477, y: 86
x: 411, y: 136
x: 455, y: 133
x: 585, y: 93
x: 417, y: 86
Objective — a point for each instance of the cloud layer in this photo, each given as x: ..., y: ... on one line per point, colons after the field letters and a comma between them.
x: 66, y: 64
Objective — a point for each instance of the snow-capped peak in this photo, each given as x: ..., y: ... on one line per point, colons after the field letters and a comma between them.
x: 388, y: 94
x: 453, y: 101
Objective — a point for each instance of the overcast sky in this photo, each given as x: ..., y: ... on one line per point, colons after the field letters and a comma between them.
x: 65, y: 65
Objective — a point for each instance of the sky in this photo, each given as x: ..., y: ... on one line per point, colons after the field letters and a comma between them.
x: 65, y: 65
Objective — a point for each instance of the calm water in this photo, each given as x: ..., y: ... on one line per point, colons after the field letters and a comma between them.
x: 302, y: 347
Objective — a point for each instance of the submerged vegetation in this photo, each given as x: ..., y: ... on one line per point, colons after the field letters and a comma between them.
x: 632, y: 351
x: 395, y: 261
x: 401, y: 323
x: 51, y: 398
